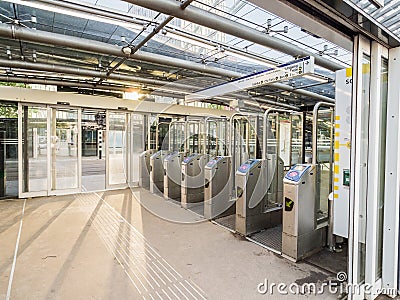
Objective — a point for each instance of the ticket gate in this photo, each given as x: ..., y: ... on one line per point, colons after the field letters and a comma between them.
x: 300, y: 236
x: 157, y: 171
x: 172, y: 175
x: 217, y: 188
x: 144, y: 168
x: 192, y: 190
x: 259, y: 187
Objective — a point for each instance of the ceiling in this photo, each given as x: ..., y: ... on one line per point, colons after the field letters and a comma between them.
x: 204, y: 56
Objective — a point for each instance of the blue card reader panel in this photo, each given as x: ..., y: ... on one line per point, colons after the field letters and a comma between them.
x: 190, y: 157
x: 244, y: 168
x: 296, y: 172
x: 214, y: 161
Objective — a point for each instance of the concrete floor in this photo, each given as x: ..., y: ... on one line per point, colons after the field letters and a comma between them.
x: 109, y: 246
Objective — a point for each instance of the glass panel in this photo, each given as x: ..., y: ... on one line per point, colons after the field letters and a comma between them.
x: 117, y: 148
x: 64, y: 149
x: 324, y: 161
x: 193, y: 137
x: 34, y: 149
x: 8, y: 149
x: 93, y: 125
x: 284, y: 139
x: 177, y: 136
x: 137, y: 146
x: 382, y: 142
x: 296, y: 140
x: 362, y: 218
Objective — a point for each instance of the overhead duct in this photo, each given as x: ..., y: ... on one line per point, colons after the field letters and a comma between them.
x: 48, y: 38
x: 222, y: 24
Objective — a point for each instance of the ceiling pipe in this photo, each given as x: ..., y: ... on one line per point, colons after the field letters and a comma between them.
x: 173, y: 86
x: 48, y: 38
x: 79, y: 84
x: 222, y: 24
x: 19, y: 64
x: 92, y: 46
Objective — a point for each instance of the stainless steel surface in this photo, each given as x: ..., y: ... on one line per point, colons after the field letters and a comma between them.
x: 260, y: 193
x: 144, y: 168
x: 300, y: 238
x: 172, y: 175
x: 193, y: 179
x: 157, y: 171
x: 217, y: 189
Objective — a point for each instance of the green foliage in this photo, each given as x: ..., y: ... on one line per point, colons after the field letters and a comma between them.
x: 16, y: 84
x: 8, y: 111
x: 214, y: 106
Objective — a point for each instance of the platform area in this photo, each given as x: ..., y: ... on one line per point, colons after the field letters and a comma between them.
x: 130, y: 244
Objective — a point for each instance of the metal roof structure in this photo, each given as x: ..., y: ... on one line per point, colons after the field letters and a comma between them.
x: 113, y: 45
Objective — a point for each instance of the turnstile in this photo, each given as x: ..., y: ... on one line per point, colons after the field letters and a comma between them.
x: 172, y: 175
x: 157, y: 171
x: 300, y: 236
x: 217, y: 188
x: 259, y: 188
x: 192, y: 190
x: 144, y: 168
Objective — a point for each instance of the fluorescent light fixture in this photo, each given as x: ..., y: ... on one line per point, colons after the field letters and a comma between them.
x: 131, y: 95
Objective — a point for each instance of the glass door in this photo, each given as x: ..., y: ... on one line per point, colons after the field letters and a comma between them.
x: 137, y: 147
x: 33, y: 149
x: 64, y: 152
x: 93, y: 126
x: 117, y: 149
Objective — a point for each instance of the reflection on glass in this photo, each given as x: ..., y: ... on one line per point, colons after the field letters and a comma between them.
x: 381, y: 197
x: 362, y: 219
x: 34, y: 149
x: 137, y: 146
x: 297, y: 137
x: 64, y: 149
x: 117, y: 148
x: 324, y: 161
x: 8, y: 149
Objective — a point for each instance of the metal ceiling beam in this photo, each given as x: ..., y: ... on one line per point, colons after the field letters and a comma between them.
x: 79, y: 84
x: 88, y: 11
x: 92, y: 46
x: 170, y: 86
x: 19, y: 64
x: 222, y: 24
x: 143, y: 42
x: 48, y: 38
